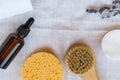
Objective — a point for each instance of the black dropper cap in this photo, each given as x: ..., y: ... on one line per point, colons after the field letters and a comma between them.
x: 24, y: 29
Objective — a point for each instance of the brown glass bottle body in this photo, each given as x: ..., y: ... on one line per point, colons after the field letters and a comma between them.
x: 9, y: 49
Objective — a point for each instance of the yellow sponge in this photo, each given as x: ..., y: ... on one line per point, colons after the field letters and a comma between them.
x: 42, y: 66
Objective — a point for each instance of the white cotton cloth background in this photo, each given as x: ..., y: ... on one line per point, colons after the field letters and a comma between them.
x: 10, y: 8
x: 58, y: 24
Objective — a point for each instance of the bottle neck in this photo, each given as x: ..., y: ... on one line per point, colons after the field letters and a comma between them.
x: 19, y: 36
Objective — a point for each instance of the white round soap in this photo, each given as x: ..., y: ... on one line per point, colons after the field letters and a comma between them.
x: 111, y: 44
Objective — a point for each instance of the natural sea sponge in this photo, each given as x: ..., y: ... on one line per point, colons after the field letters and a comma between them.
x: 42, y: 66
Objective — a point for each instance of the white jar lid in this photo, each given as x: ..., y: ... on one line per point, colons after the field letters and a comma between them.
x: 111, y: 44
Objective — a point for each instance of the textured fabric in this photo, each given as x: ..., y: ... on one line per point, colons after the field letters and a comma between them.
x: 58, y: 24
x: 14, y: 7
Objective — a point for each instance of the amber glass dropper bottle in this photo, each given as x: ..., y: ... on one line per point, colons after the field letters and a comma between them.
x: 13, y: 44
